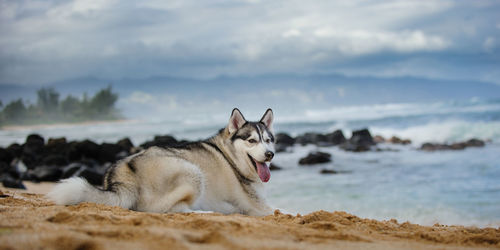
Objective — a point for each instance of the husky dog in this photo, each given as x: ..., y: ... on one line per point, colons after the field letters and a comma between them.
x: 224, y: 174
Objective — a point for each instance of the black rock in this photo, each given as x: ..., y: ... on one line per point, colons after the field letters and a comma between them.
x: 15, y: 149
x: 161, y: 141
x: 56, y: 146
x: 109, y: 152
x: 280, y: 148
x: 336, y: 137
x: 284, y: 139
x: 55, y: 160
x: 362, y: 136
x: 91, y: 163
x: 454, y: 146
x: 397, y: 140
x: 315, y: 158
x: 312, y: 138
x: 9, y: 182
x: 475, y: 143
x: 4, y: 167
x: 56, y: 141
x: 83, y: 149
x: 6, y: 156
x: 126, y: 143
x: 9, y: 170
x: 32, y: 150
x: 433, y: 146
x: 360, y: 141
x: 328, y: 171
x: 93, y: 176
x: 35, y: 140
x: 46, y: 173
x: 457, y: 146
x: 274, y: 167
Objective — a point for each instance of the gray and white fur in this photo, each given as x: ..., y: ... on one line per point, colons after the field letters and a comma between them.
x: 224, y: 173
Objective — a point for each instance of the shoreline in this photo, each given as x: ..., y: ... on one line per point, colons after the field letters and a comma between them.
x: 29, y: 220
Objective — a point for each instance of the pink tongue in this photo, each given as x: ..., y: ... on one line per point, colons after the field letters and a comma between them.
x: 263, y: 171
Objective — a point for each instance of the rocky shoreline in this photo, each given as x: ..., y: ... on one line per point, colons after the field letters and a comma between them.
x: 50, y: 160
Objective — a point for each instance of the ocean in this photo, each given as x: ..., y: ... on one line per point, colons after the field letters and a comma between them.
x: 446, y: 187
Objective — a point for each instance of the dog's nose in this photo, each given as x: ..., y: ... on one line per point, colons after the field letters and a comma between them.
x: 269, y: 155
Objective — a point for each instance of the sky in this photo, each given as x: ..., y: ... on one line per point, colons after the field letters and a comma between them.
x: 42, y: 42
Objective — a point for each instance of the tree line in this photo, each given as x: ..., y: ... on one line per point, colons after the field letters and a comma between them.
x: 49, y: 108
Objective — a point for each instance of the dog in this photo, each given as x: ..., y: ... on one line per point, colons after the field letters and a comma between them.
x: 225, y: 174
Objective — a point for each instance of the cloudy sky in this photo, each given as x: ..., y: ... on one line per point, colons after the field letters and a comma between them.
x: 47, y: 41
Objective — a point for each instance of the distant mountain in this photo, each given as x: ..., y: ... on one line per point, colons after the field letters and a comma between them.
x: 323, y: 89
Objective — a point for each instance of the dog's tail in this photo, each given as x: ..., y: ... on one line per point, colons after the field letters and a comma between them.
x: 75, y: 190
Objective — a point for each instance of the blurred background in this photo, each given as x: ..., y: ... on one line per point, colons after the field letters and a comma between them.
x: 424, y: 71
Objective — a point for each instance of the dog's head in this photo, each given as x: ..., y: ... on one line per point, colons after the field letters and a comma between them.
x: 253, y: 141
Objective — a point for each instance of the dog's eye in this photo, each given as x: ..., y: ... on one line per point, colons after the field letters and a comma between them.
x: 268, y: 140
x: 252, y: 141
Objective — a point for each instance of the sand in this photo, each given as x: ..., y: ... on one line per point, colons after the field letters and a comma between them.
x: 30, y: 221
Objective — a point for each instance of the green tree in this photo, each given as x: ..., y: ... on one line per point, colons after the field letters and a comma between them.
x: 48, y: 100
x: 103, y: 102
x: 15, y: 111
x: 70, y: 106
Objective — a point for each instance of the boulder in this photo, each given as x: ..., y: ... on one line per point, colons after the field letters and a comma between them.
x: 360, y: 141
x: 274, y: 167
x: 454, y: 146
x: 284, y: 139
x: 56, y: 146
x: 475, y: 143
x: 315, y: 158
x: 4, y: 167
x: 336, y: 137
x: 83, y: 149
x: 35, y: 140
x: 457, y: 146
x: 362, y: 136
x: 379, y: 139
x: 55, y: 160
x: 32, y: 150
x: 328, y: 171
x: 406, y: 141
x: 56, y: 141
x: 312, y: 138
x: 397, y: 140
x: 109, y: 152
x: 433, y: 146
x: 126, y: 144
x: 15, y: 149
x: 161, y: 141
x: 9, y: 182
x: 280, y: 148
x: 6, y: 156
x: 45, y: 173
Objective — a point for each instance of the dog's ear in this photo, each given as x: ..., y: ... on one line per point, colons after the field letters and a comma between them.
x: 236, y: 121
x: 267, y: 119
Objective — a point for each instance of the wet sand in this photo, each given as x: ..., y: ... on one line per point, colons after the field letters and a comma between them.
x: 30, y: 221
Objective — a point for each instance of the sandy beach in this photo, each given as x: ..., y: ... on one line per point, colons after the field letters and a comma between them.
x: 30, y: 221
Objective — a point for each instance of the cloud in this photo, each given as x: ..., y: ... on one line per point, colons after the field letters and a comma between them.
x: 46, y: 41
